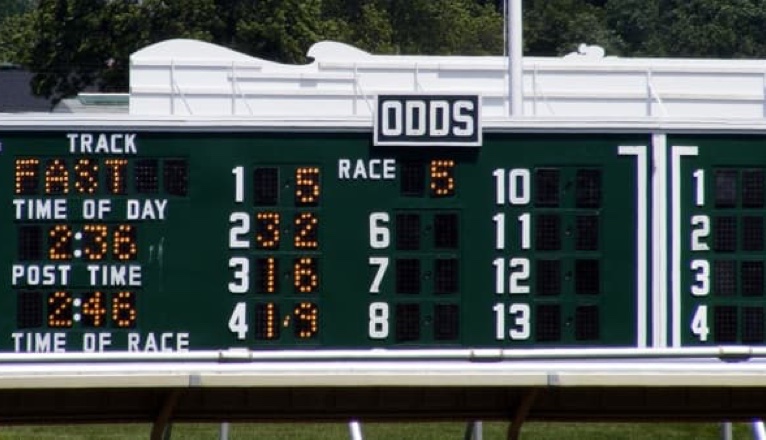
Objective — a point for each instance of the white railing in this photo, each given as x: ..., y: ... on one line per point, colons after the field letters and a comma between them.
x: 337, y: 81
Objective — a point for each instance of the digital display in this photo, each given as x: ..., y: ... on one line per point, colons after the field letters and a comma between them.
x: 173, y: 241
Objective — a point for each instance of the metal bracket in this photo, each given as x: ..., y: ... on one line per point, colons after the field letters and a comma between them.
x: 161, y: 426
x: 514, y: 429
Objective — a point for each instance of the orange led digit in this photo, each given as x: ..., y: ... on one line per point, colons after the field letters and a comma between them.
x: 271, y: 275
x: 124, y: 310
x: 60, y: 310
x: 271, y: 322
x: 93, y: 310
x: 306, y: 225
x: 267, y: 230
x: 267, y: 321
x: 305, y: 275
x: 95, y: 238
x: 271, y: 330
x: 307, y: 186
x: 124, y: 245
x: 442, y: 178
x: 60, y: 242
x: 306, y: 316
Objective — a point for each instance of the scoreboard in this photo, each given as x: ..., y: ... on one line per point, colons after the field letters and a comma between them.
x: 718, y: 292
x: 177, y: 241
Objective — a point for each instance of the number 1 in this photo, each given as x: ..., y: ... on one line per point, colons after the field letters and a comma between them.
x: 239, y: 184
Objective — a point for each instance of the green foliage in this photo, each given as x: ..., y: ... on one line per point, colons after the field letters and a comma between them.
x: 637, y: 24
x: 557, y: 27
x: 281, y: 30
x: 77, y: 44
x: 714, y: 28
x: 381, y: 431
x: 447, y: 27
x: 15, y: 43
x: 73, y: 44
x: 9, y: 8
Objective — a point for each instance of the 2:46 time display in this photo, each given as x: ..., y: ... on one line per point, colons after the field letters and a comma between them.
x: 66, y: 309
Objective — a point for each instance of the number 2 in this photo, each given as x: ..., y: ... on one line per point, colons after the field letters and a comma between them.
x: 240, y: 225
x: 698, y: 234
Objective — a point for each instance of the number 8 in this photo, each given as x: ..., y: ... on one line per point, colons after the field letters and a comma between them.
x: 378, y: 328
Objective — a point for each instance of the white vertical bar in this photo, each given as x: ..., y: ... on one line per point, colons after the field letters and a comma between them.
x: 474, y: 430
x: 726, y: 431
x: 642, y: 252
x: 659, y: 240
x: 759, y: 431
x: 356, y: 90
x: 355, y: 430
x: 675, y: 171
x: 648, y: 92
x: 515, y: 55
x: 172, y: 87
x: 233, y: 89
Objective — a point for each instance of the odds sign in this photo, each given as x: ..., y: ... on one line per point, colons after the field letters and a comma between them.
x: 444, y: 120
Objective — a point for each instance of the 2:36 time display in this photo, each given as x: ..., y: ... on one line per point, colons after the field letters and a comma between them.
x: 89, y: 242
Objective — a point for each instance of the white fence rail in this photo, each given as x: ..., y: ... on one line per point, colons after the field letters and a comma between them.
x: 185, y: 77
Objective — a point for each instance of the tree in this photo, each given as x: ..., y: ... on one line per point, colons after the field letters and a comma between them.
x: 74, y: 44
x: 712, y: 28
x: 637, y: 23
x: 9, y: 8
x: 87, y: 43
x: 447, y: 27
x: 16, y: 37
x: 365, y: 24
x: 281, y: 30
x: 557, y: 27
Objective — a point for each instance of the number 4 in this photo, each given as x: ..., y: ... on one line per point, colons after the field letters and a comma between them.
x: 238, y: 320
x: 699, y: 323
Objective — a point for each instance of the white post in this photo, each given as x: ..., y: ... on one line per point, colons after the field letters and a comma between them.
x: 355, y: 430
x: 759, y: 432
x: 726, y: 431
x: 223, y: 432
x: 515, y: 58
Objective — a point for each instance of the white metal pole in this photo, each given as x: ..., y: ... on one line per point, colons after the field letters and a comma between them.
x: 355, y: 430
x: 726, y: 431
x: 515, y: 44
x: 759, y: 431
x: 506, y: 26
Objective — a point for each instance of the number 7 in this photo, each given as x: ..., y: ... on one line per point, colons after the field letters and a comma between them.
x: 382, y: 263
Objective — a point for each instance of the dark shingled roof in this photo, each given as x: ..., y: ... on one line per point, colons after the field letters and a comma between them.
x: 16, y: 94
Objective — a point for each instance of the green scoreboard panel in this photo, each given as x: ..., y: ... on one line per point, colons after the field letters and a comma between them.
x: 176, y: 241
x: 719, y: 224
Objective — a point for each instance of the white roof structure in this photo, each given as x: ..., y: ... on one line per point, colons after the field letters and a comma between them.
x: 193, y: 78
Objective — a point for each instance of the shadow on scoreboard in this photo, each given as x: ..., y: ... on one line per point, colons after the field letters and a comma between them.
x: 381, y: 404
